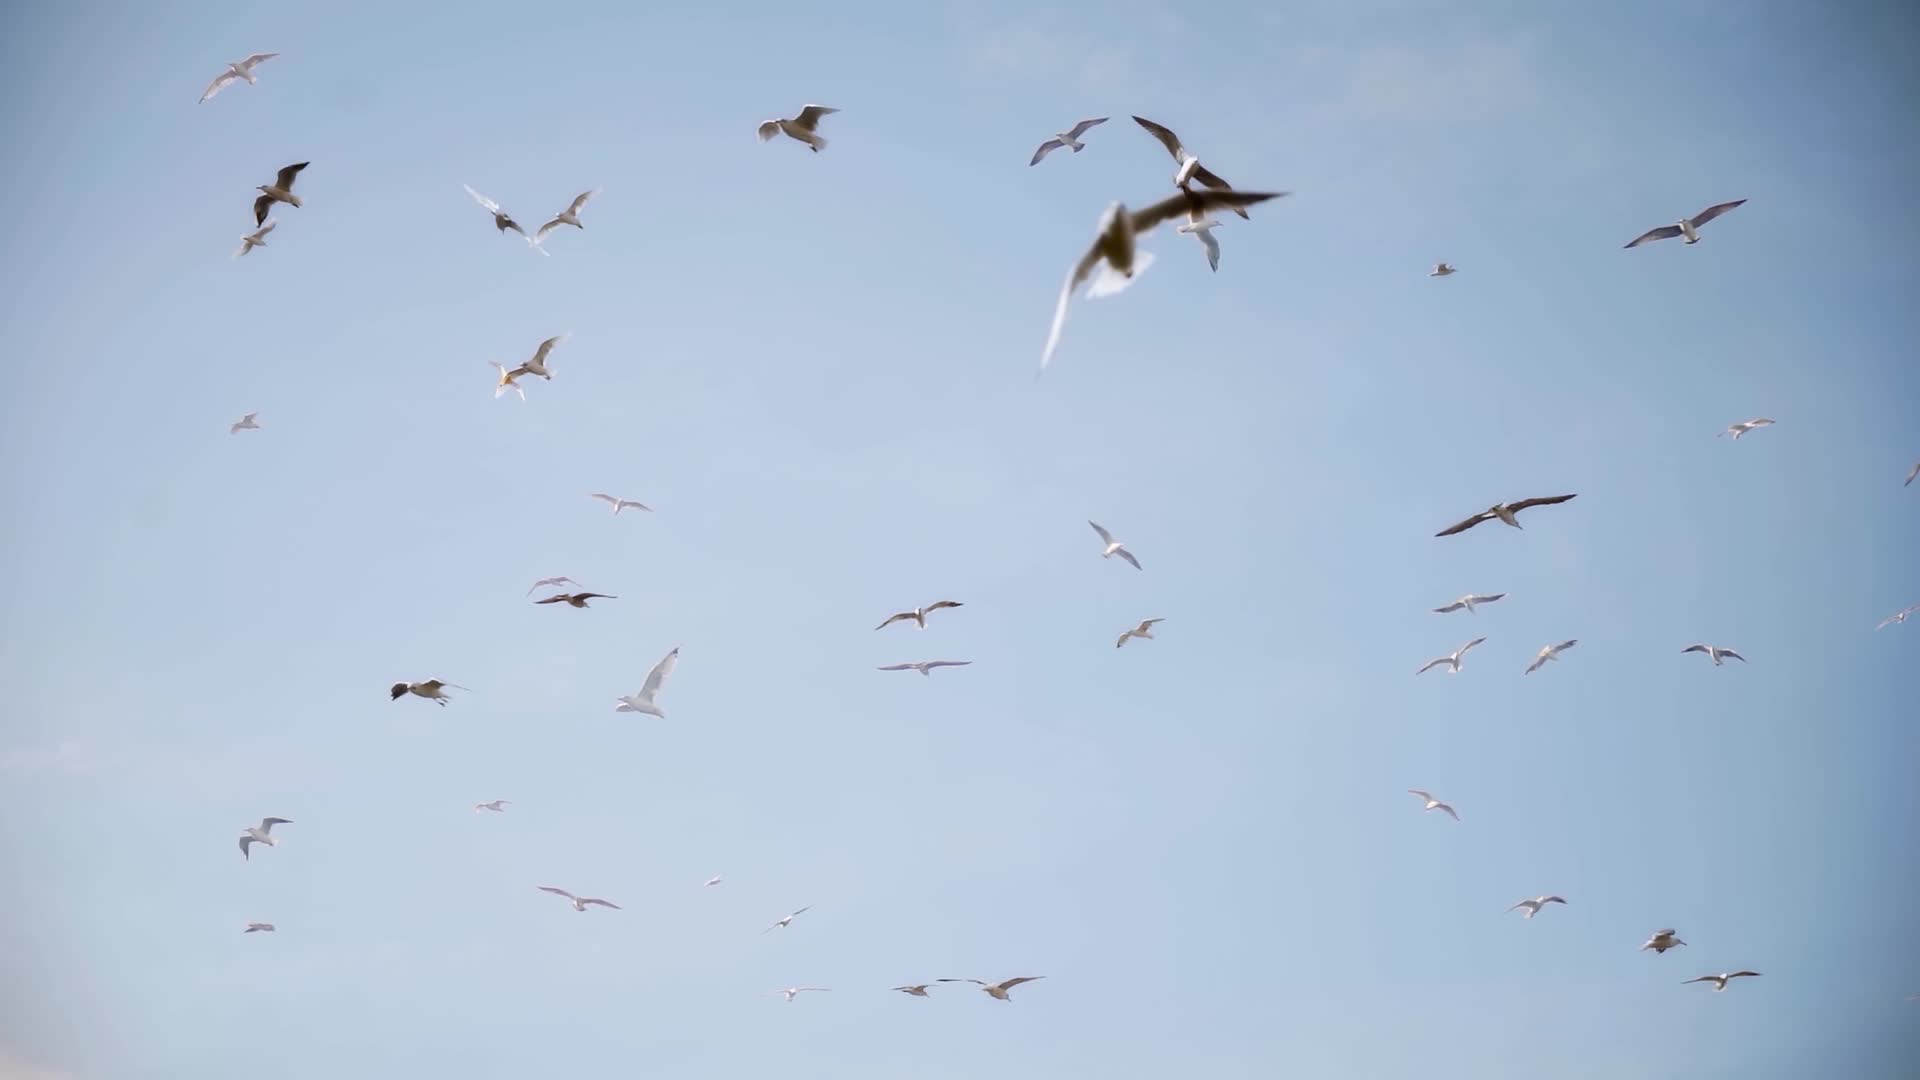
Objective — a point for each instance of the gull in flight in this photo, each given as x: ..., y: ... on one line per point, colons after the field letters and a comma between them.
x: 1549, y: 652
x: 1662, y: 940
x: 620, y: 504
x: 643, y: 702
x: 578, y: 599
x: 281, y: 190
x: 569, y: 216
x: 1069, y: 137
x: 714, y: 880
x: 1144, y: 632
x: 1898, y: 617
x: 1534, y: 905
x: 795, y: 991
x: 433, y: 690
x: 998, y: 991
x: 1468, y: 601
x: 258, y: 927
x: 239, y: 69
x: 1442, y: 270
x: 1744, y: 426
x: 498, y: 806
x: 925, y: 666
x: 254, y: 239
x: 1114, y: 547
x: 919, y: 614
x: 800, y: 127
x: 245, y: 423
x: 1201, y: 227
x: 1687, y: 227
x: 1113, y: 251
x: 508, y: 380
x: 1505, y: 512
x: 1433, y: 803
x: 1190, y: 168
x: 260, y: 834
x: 554, y: 582
x: 580, y: 903
x: 501, y: 220
x: 1915, y: 471
x: 782, y: 924
x: 1452, y: 660
x: 1714, y: 653
x: 915, y: 990
x: 538, y: 365
x: 1720, y: 981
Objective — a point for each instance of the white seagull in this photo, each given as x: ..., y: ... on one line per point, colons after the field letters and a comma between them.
x: 1687, y: 227
x: 580, y: 903
x: 254, y: 239
x: 1452, y: 660
x: 1442, y: 270
x: 714, y: 880
x: 501, y: 220
x: 569, y: 216
x: 538, y: 365
x: 555, y: 582
x: 1744, y: 426
x: 1189, y: 168
x: 914, y: 989
x: 239, y: 69
x: 1433, y: 803
x: 801, y: 127
x: 1898, y: 617
x: 258, y: 928
x: 1114, y: 547
x: 1534, y: 905
x: 1549, y: 652
x: 795, y: 991
x: 1719, y: 981
x: 782, y: 924
x: 1662, y: 940
x: 1714, y: 653
x: 509, y: 380
x: 643, y: 702
x: 281, y: 190
x: 1466, y: 602
x: 498, y: 806
x: 1144, y: 632
x: 245, y: 423
x: 918, y: 615
x: 1201, y: 227
x: 1069, y: 137
x: 433, y: 690
x: 925, y: 666
x: 619, y: 504
x: 260, y: 834
x: 998, y: 991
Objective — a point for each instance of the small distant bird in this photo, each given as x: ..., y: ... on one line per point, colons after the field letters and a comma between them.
x: 258, y: 928
x: 1534, y: 905
x: 1714, y: 653
x: 1744, y: 426
x: 1720, y: 981
x: 1144, y: 632
x: 538, y: 365
x: 1504, y: 512
x: 916, y: 990
x: 792, y: 992
x: 260, y: 834
x: 1201, y: 227
x: 281, y: 190
x: 918, y: 615
x: 712, y: 881
x: 433, y: 690
x: 498, y: 806
x: 1898, y: 617
x: 1433, y: 803
x: 800, y: 127
x: 509, y: 380
x: 1468, y: 601
x: 569, y: 216
x: 925, y: 666
x: 1915, y: 471
x: 998, y: 991
x: 1452, y: 660
x: 1662, y: 940
x: 501, y: 220
x: 554, y: 582
x: 1190, y: 168
x: 245, y: 423
x: 254, y: 239
x: 620, y: 504
x: 644, y: 701
x: 1549, y: 652
x: 578, y: 600
x: 782, y: 924
x: 1687, y: 227
x: 239, y: 69
x: 1114, y: 547
x: 580, y: 903
x: 1442, y: 270
x: 1069, y: 137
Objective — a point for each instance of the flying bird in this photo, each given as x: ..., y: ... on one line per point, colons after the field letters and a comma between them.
x: 1662, y: 940
x: 1744, y: 426
x: 1466, y: 602
x: 1452, y: 660
x: 578, y: 600
x: 1534, y: 905
x: 782, y: 924
x: 1549, y: 652
x: 644, y: 701
x: 1915, y: 471
x: 498, y: 806
x: 1433, y: 803
x: 1189, y: 168
x: 714, y: 880
x: 1714, y: 653
x: 239, y: 69
x: 801, y: 127
x: 1144, y: 632
x: 245, y: 423
x: 1114, y: 547
x: 1113, y: 247
x: 554, y: 582
x: 509, y: 380
x: 538, y: 365
x: 254, y: 239
x: 580, y: 903
x: 281, y: 190
x: 433, y: 690
x: 1898, y: 617
x: 569, y: 216
x: 1687, y: 227
x: 1069, y: 137
x: 1503, y: 511
x: 998, y: 991
x: 1442, y: 270
x: 258, y: 928
x: 620, y: 504
x: 260, y: 834
x: 1720, y: 981
x: 501, y: 220
x: 919, y: 614
x: 795, y: 991
x: 915, y: 990
x: 1201, y: 227
x: 925, y: 666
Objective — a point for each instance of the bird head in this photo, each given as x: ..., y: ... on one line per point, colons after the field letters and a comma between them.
x: 399, y: 691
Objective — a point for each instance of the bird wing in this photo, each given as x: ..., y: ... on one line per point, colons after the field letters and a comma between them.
x: 1737, y: 974
x: 245, y: 841
x: 1124, y: 635
x: 938, y: 604
x: 605, y: 498
x: 1550, y: 500
x: 1144, y: 623
x: 1469, y: 645
x: 284, y: 178
x: 260, y: 207
x: 540, y: 354
x: 265, y: 229
x: 1697, y: 648
x: 1011, y: 983
x: 215, y: 86
x: 945, y: 663
x: 1046, y: 148
x: 659, y: 673
x: 1128, y: 556
x: 602, y: 903
x: 1074, y: 277
x: 267, y: 824
x: 1431, y: 664
x: 1703, y: 978
x: 1080, y: 128
x: 1553, y: 899
x: 1521, y: 904
x: 1200, y: 202
x: 258, y: 58
x: 975, y: 982
x: 554, y: 599
x: 1488, y: 599
x: 541, y: 233
x: 1105, y: 536
x: 492, y: 207
x: 811, y: 115
x: 1664, y: 232
x: 1212, y: 245
x: 556, y: 892
x: 768, y: 130
x: 891, y: 619
x: 1712, y: 212
x: 594, y: 596
x: 1465, y: 525
x: 1735, y: 655
x: 1667, y: 932
x: 1565, y: 645
x: 1427, y: 795
x: 1455, y: 606
x: 894, y: 667
x: 581, y: 200
x: 1167, y: 138
x: 1911, y: 475
x: 1449, y: 810
x: 1537, y: 662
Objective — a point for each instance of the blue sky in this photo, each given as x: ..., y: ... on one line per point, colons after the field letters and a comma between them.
x: 818, y: 369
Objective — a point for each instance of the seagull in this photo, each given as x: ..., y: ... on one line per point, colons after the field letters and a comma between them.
x: 916, y: 990
x: 1468, y: 601
x: 1442, y: 270
x: 1069, y: 137
x: 1504, y: 511
x: 260, y: 834
x: 281, y: 190
x: 800, y: 127
x: 1714, y: 653
x: 919, y: 614
x: 1201, y: 228
x: 712, y: 881
x: 1144, y: 632
x: 257, y: 238
x: 1190, y: 168
x: 1720, y: 981
x: 433, y: 690
x: 578, y: 600
x: 1452, y: 660
x: 1113, y: 245
x: 1114, y: 547
x: 1744, y: 426
x: 508, y: 377
x: 1549, y: 652
x: 554, y: 582
x: 580, y: 903
x: 1534, y: 905
x: 782, y: 924
x: 538, y: 365
x: 1687, y: 227
x: 569, y: 216
x: 258, y: 927
x: 501, y: 220
x: 998, y: 991
x: 239, y: 69
x: 643, y: 702
x: 925, y: 666
x: 1898, y: 617
x: 498, y: 806
x: 1915, y: 471
x: 795, y: 991
x: 620, y: 504
x: 1433, y: 803
x: 245, y: 423
x: 1662, y: 940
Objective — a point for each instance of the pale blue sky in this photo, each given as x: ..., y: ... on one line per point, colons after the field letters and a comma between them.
x: 819, y: 371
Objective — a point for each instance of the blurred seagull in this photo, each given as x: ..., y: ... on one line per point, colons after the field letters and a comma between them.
x: 792, y: 992
x: 1549, y: 652
x: 1144, y: 632
x: 1468, y: 601
x: 1915, y: 471
x: 498, y: 806
x: 782, y: 924
x: 998, y: 991
x: 1662, y: 940
x: 1503, y: 511
x: 554, y: 582
x: 501, y: 221
x: 1898, y: 617
x: 714, y: 880
x: 1201, y: 227
x: 619, y: 504
x: 1720, y: 981
x: 916, y: 990
x: 257, y: 238
x: 1714, y: 653
x: 919, y: 614
x: 281, y: 190
x: 260, y: 834
x: 1452, y: 660
x: 643, y: 702
x: 1433, y: 803
x: 1069, y: 137
x: 580, y: 903
x: 1190, y: 168
x: 1442, y: 270
x: 569, y: 216
x: 245, y: 423
x: 433, y: 690
x: 800, y: 127
x: 1687, y: 227
x: 578, y: 600
x: 1534, y: 905
x: 538, y: 365
x: 925, y: 666
x: 1114, y: 547
x: 258, y: 927
x: 508, y: 380
x: 1744, y: 426
x: 239, y: 69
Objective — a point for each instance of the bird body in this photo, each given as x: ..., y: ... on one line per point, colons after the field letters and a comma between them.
x: 918, y: 615
x: 509, y: 380
x: 238, y: 70
x: 281, y: 190
x: 1720, y: 981
x: 258, y: 928
x: 1532, y: 907
x: 551, y: 582
x: 498, y: 806
x: 569, y: 216
x: 1144, y: 632
x: 580, y: 903
x: 783, y: 923
x: 1687, y: 227
x: 1898, y: 617
x: 1433, y: 803
x: 1550, y: 652
x: 1714, y: 653
x: 1662, y: 940
x: 1506, y: 512
x: 915, y: 990
x: 257, y: 238
x: 1744, y: 426
x: 792, y: 992
x: 1442, y: 270
x: 1201, y: 227
x: 1467, y: 602
x: 925, y: 666
x: 538, y: 365
x: 245, y: 423
x: 1452, y: 659
x: 1069, y: 138
x: 260, y: 834
x: 578, y: 600
x: 1187, y: 167
x: 1114, y: 547
x: 802, y: 127
x: 619, y: 504
x: 646, y: 700
x: 433, y: 690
